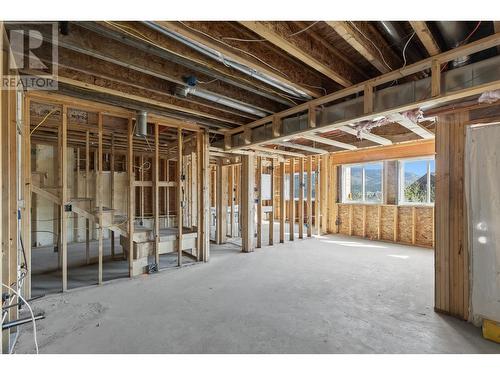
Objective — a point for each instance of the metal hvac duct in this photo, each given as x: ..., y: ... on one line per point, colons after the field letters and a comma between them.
x: 453, y: 33
x: 220, y: 99
x: 141, y: 124
x: 397, y: 36
x: 218, y: 56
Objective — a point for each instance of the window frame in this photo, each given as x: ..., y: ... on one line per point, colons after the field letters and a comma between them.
x: 363, y: 183
x: 401, y: 195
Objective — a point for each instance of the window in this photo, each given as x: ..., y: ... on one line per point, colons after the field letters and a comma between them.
x: 362, y: 183
x: 417, y: 181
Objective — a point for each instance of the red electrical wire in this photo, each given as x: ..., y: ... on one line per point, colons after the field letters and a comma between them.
x: 465, y: 40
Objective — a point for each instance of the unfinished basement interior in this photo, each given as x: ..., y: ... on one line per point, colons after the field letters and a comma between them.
x: 250, y: 187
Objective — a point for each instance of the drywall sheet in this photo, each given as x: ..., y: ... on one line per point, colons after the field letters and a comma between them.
x: 483, y: 197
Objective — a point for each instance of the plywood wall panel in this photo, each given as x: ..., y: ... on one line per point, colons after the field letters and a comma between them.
x: 387, y: 223
x: 357, y: 220
x: 343, y: 212
x: 372, y: 222
x: 405, y: 224
x: 424, y: 226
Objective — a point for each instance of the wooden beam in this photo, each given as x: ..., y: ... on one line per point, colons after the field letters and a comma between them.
x: 303, y: 147
x: 46, y: 194
x: 371, y: 137
x: 467, y: 49
x: 392, y: 152
x: 361, y: 44
x: 426, y: 37
x: 327, y: 141
x: 277, y: 151
x: 412, y: 126
x: 307, y: 51
x: 195, y: 32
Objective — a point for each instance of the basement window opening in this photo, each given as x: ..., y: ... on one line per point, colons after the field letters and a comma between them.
x: 417, y: 181
x: 362, y: 183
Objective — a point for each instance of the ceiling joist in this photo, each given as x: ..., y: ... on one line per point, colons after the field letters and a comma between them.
x: 328, y: 141
x: 308, y: 51
x: 426, y: 37
x: 368, y: 42
x: 365, y: 135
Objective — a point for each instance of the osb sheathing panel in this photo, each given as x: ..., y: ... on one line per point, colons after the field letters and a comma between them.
x: 344, y: 219
x: 423, y: 227
x: 357, y: 220
x: 387, y: 223
x: 372, y: 222
x: 405, y: 224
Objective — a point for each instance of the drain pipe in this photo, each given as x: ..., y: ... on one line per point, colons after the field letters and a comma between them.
x: 218, y: 56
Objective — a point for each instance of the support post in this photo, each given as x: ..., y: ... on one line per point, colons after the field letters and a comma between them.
x: 112, y: 189
x: 258, y: 186
x: 221, y: 202
x: 291, y: 214
x: 99, y: 196
x: 282, y: 202
x: 301, y: 198
x: 247, y: 203
x: 87, y: 195
x: 317, y: 197
x: 156, y: 193
x: 272, y: 214
x: 309, y: 196
x: 131, y: 196
x: 63, y: 158
x: 179, y: 197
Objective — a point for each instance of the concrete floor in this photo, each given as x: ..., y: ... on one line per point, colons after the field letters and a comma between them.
x: 47, y: 277
x: 331, y: 294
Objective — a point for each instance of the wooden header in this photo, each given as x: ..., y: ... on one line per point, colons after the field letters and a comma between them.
x: 378, y: 153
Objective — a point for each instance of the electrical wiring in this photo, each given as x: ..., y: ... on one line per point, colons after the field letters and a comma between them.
x: 464, y: 41
x: 304, y: 29
x: 208, y: 82
x: 43, y: 120
x: 404, y: 49
x: 376, y: 47
x: 152, y: 42
x: 265, y: 40
x: 236, y: 48
x: 31, y: 312
x: 142, y: 168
